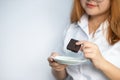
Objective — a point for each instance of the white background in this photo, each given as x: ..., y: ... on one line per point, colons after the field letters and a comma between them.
x: 29, y: 32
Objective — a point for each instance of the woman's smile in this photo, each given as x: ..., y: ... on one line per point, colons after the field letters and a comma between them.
x: 90, y: 5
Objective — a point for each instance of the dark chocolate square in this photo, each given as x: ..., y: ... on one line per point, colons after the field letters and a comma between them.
x: 72, y: 46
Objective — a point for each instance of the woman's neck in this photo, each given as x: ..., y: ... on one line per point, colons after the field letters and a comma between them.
x: 95, y: 21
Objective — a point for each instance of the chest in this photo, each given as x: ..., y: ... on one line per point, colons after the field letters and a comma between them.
x: 77, y: 33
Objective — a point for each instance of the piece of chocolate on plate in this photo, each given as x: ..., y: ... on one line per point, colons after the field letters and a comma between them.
x: 72, y: 46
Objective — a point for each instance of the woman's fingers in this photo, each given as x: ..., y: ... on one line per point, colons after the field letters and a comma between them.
x: 85, y: 44
x: 87, y: 50
x: 53, y: 54
x: 50, y: 59
x: 54, y: 64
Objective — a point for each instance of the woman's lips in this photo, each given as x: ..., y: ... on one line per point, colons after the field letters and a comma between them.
x: 89, y: 5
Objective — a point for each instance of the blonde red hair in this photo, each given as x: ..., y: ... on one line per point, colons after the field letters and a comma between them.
x: 114, y: 19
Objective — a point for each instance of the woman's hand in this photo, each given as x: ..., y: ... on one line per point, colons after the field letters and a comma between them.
x: 92, y: 52
x: 58, y: 70
x: 55, y: 66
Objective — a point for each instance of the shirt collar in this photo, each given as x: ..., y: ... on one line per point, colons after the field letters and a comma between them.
x: 83, y: 23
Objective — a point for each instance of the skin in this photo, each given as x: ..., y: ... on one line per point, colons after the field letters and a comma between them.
x: 94, y: 9
x: 58, y: 70
x: 92, y: 52
x: 98, y: 12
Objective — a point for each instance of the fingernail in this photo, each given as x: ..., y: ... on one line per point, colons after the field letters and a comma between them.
x: 77, y: 43
x: 52, y: 57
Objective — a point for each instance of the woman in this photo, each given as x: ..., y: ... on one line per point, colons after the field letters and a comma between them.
x: 96, y: 24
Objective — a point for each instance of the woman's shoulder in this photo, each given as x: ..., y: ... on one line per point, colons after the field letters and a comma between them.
x: 73, y: 25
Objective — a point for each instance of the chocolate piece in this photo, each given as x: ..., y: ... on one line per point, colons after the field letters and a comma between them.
x: 72, y: 46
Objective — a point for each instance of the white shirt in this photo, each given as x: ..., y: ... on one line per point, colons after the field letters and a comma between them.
x: 86, y: 71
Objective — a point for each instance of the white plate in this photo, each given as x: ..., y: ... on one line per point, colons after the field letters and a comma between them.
x: 68, y: 60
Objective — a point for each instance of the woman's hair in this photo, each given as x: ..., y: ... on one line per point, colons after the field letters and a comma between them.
x: 114, y: 19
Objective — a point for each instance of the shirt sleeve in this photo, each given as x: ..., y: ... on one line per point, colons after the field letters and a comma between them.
x: 113, y: 55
